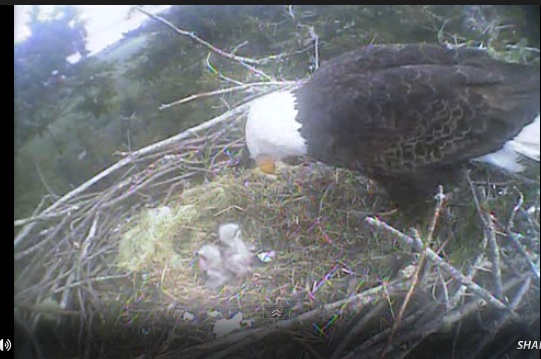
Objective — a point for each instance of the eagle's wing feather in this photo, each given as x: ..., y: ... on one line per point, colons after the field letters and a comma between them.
x: 399, y: 109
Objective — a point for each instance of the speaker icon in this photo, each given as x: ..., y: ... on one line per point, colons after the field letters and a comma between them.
x: 5, y: 344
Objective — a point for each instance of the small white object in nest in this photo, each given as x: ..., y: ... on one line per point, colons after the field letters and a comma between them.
x: 187, y: 316
x: 225, y: 326
x: 214, y: 313
x: 267, y: 256
x: 162, y: 213
x: 234, y: 259
x: 408, y: 271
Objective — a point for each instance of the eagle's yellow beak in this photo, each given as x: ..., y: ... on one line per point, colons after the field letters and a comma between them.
x: 266, y: 164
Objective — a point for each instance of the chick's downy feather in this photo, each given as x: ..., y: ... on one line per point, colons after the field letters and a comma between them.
x: 237, y: 255
x: 211, y: 262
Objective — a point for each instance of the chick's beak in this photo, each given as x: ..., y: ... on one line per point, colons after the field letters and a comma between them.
x: 266, y: 164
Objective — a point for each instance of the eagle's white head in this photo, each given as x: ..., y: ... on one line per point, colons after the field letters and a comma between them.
x: 272, y: 132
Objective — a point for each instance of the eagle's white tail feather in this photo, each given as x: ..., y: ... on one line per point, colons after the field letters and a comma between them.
x: 526, y: 143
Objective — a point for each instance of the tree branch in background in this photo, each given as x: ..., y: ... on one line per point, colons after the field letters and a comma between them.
x: 227, y: 55
x: 244, y: 61
x: 227, y: 90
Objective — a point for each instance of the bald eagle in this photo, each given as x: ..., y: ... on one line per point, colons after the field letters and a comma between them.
x: 406, y: 115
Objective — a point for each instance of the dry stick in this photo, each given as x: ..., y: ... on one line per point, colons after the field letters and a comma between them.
x: 70, y: 274
x: 135, y: 189
x: 44, y: 181
x: 421, y: 264
x: 227, y: 90
x: 430, y: 328
x: 534, y: 269
x: 455, y: 273
x: 444, y: 289
x: 44, y: 284
x: 361, y: 324
x: 45, y: 293
x: 130, y: 159
x: 89, y: 280
x: 511, y: 237
x: 493, y: 249
x: 534, y: 223
x: 414, y: 283
x: 42, y: 218
x: 250, y: 336
x: 470, y: 273
x: 188, y: 144
x: 34, y: 217
x: 41, y: 244
x: 500, y: 322
x: 66, y: 293
x: 516, y: 208
x: 222, y: 76
x: 446, y: 320
x: 440, y: 201
x: 494, y: 255
x: 290, y: 11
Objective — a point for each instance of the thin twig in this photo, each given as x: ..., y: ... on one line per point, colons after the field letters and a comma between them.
x: 290, y: 11
x: 213, y: 48
x: 242, y: 44
x: 222, y: 76
x: 44, y: 181
x: 516, y: 208
x: 493, y: 248
x: 43, y: 218
x: 414, y: 284
x: 502, y: 320
x: 244, y: 61
x: 51, y: 236
x: 446, y: 320
x: 455, y: 273
x: 470, y: 273
x: 315, y: 39
x: 227, y: 90
x: 494, y: 255
x: 534, y: 269
x: 440, y: 201
x: 514, y: 47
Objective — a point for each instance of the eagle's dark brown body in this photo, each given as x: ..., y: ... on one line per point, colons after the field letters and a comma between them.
x: 411, y: 115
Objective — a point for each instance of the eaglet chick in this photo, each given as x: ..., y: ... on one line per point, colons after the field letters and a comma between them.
x: 237, y: 256
x: 211, y: 262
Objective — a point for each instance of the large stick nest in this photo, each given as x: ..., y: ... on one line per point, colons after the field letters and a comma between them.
x: 110, y: 268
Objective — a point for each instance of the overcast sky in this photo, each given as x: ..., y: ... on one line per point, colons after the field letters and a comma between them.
x: 105, y: 23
